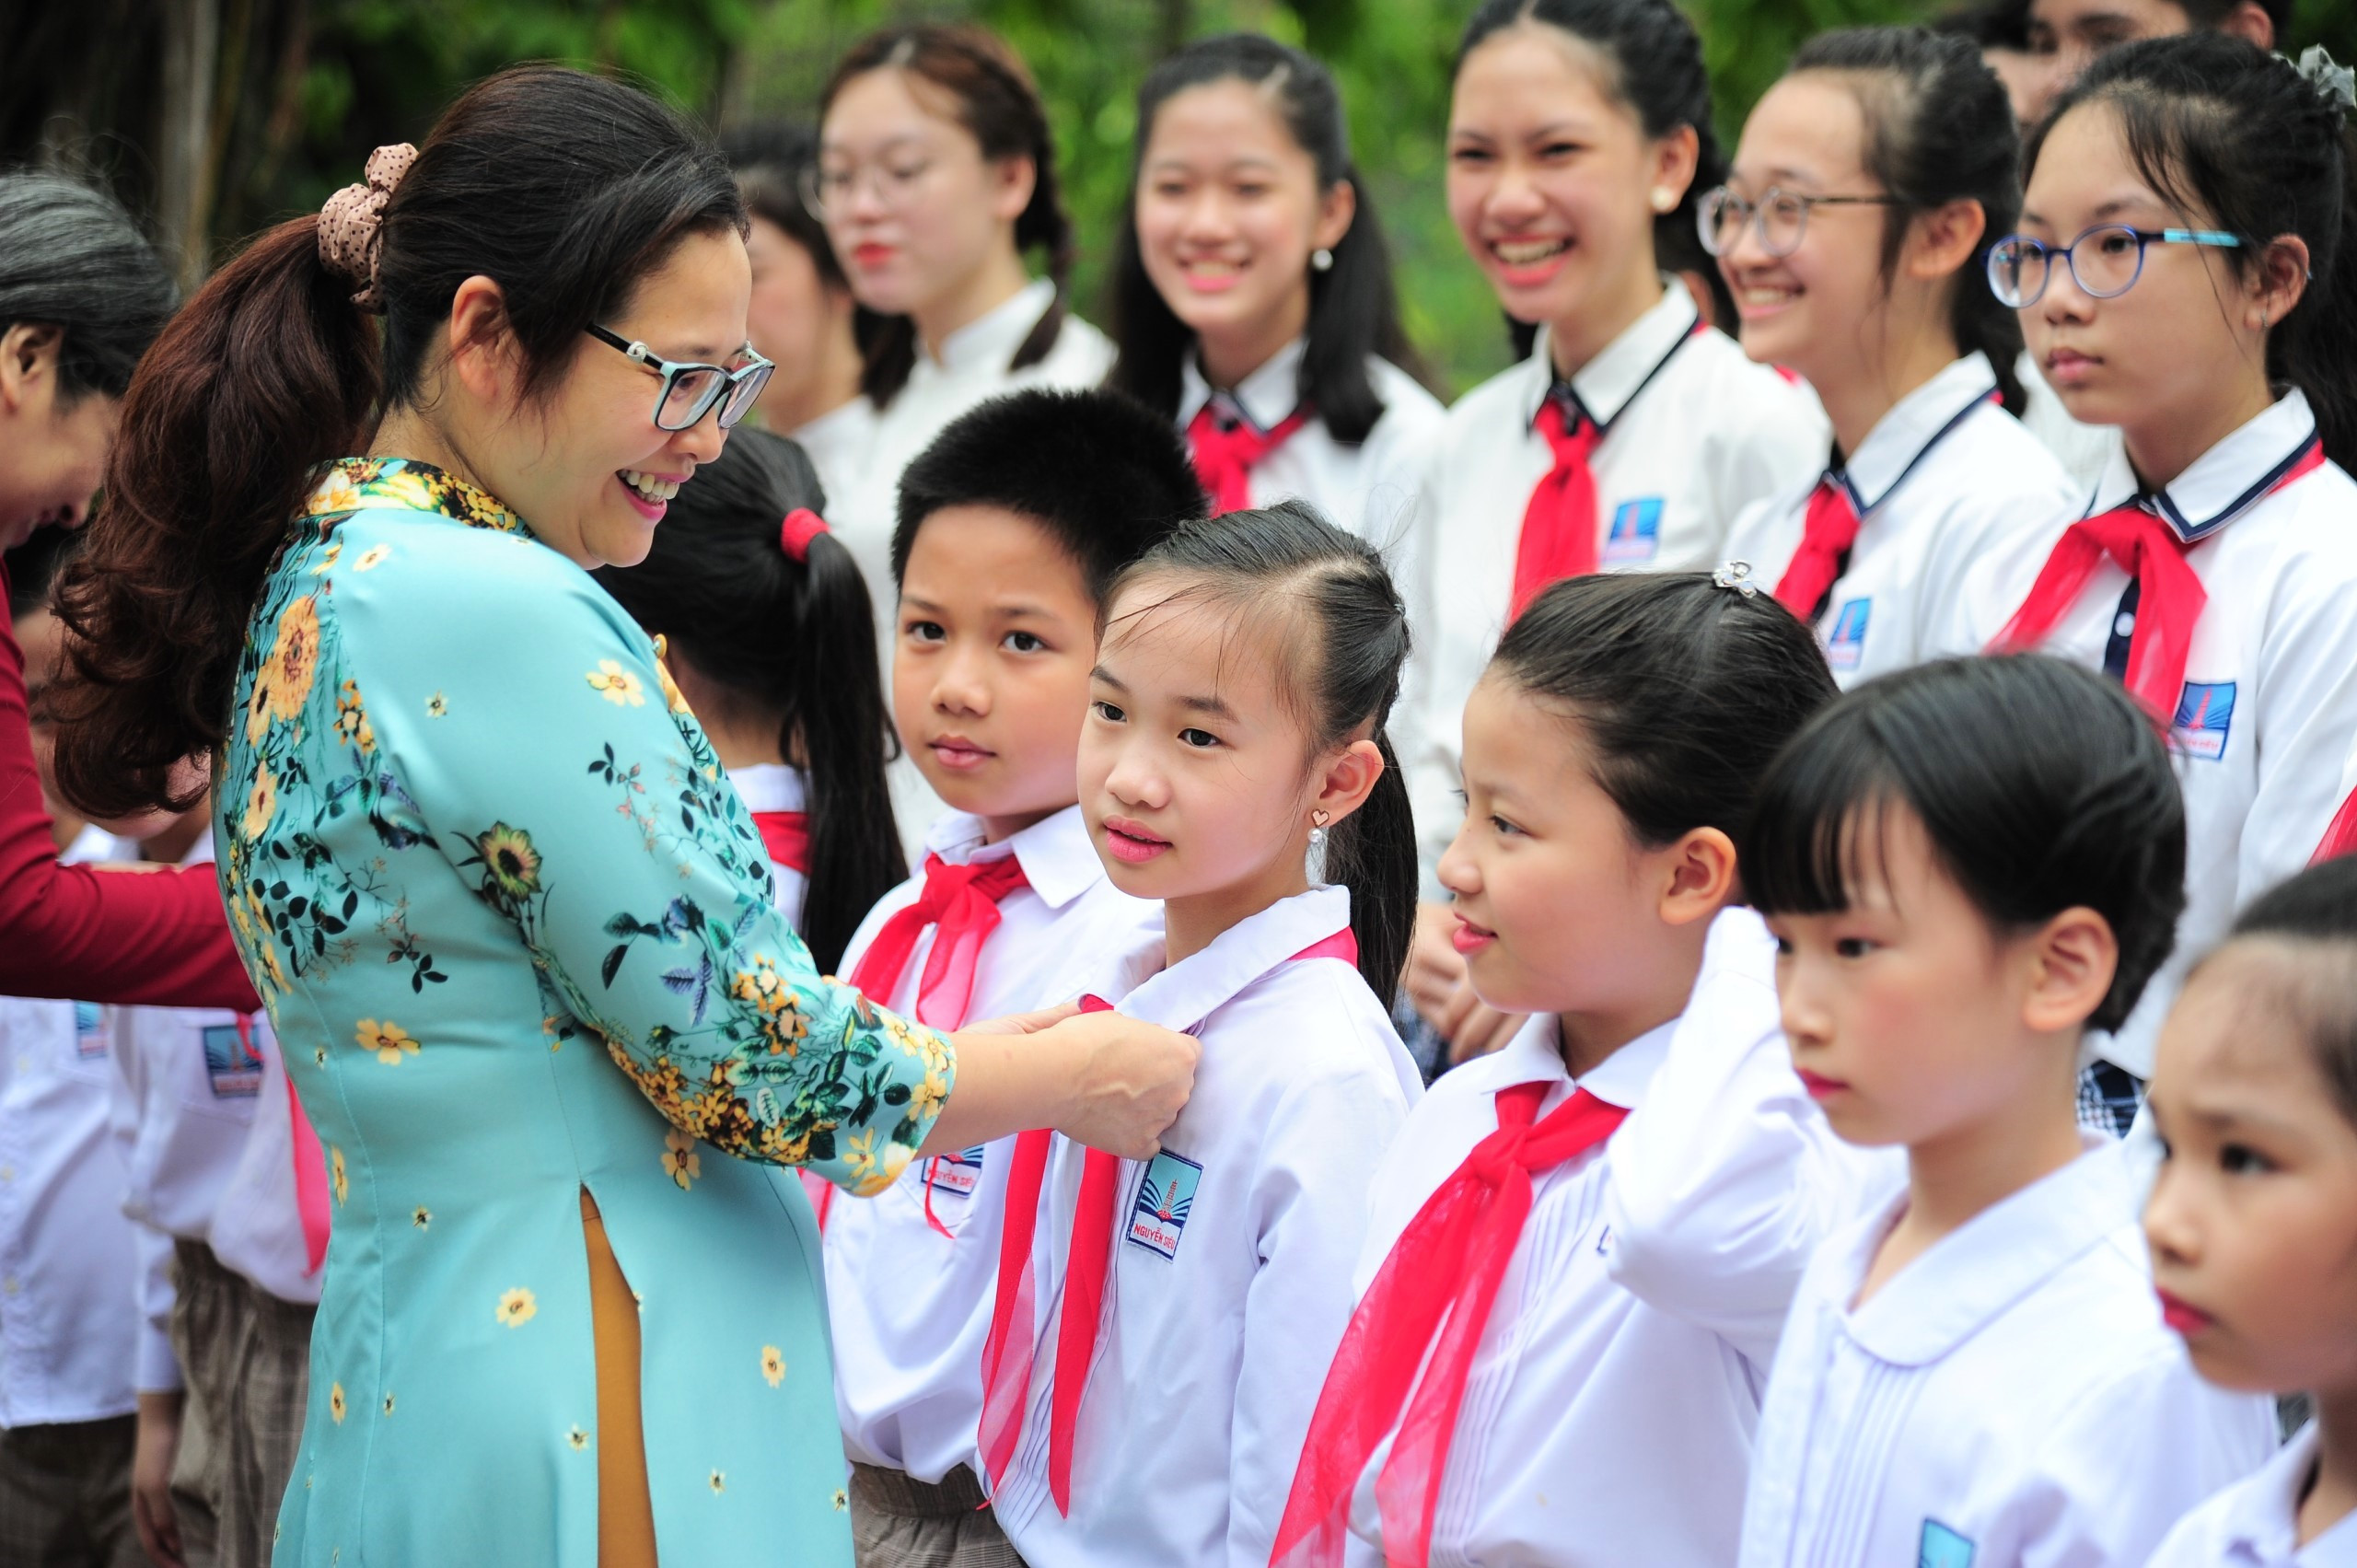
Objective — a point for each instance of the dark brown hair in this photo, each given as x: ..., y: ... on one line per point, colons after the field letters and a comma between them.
x: 562, y: 187
x: 999, y: 105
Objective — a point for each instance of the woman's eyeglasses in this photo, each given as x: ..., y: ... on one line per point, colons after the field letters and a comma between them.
x: 690, y: 391
x: 2105, y: 262
x: 1779, y: 218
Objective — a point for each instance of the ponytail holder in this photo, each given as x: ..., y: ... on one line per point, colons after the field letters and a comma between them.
x: 801, y: 526
x: 352, y: 224
x: 1736, y: 575
x: 2335, y: 82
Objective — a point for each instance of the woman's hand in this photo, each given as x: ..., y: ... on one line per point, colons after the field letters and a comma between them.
x: 1133, y: 1081
x: 1099, y: 1078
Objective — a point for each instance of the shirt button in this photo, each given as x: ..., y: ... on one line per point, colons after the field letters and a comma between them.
x: 10, y: 1284
x: 2125, y: 626
x: 8, y: 1173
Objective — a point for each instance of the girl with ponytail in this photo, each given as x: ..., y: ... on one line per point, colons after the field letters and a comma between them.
x: 1234, y: 766
x: 1252, y: 291
x: 936, y: 177
x: 1854, y: 229
x: 514, y: 929
x: 764, y: 625
x: 2183, y: 270
x: 1633, y: 434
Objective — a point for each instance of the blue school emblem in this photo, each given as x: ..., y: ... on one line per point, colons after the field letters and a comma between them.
x: 1164, y: 1199
x: 957, y: 1173
x: 2204, y: 713
x: 1845, y: 645
x: 1943, y: 1548
x: 1635, y: 533
x: 89, y: 1031
x: 232, y: 1064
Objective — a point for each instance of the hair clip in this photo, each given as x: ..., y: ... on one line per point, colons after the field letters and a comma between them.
x: 1736, y: 575
x: 801, y: 526
x: 2336, y: 82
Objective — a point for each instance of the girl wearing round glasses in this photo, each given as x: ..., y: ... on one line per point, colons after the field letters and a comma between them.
x: 1865, y: 196
x: 2184, y: 271
x: 512, y: 923
x: 1632, y: 434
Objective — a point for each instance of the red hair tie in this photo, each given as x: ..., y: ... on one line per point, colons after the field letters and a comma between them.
x: 801, y: 526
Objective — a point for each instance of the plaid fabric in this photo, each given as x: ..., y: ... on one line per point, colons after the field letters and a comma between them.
x: 2109, y: 1098
x: 65, y: 1495
x: 897, y: 1521
x: 246, y: 1357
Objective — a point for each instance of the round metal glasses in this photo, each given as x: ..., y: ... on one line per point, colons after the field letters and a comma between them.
x: 1779, y: 218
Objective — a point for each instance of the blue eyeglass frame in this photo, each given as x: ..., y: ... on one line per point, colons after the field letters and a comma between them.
x: 757, y: 373
x: 2144, y: 237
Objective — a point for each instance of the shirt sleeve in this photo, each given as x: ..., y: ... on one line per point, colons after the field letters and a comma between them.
x: 573, y: 793
x: 70, y: 931
x: 2306, y: 682
x: 157, y: 1369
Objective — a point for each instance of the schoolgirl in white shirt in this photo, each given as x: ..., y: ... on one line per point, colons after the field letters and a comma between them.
x: 1967, y: 866
x: 1586, y: 1241
x: 766, y: 632
x: 937, y: 173
x: 1633, y: 434
x: 2253, y: 1220
x: 2215, y: 564
x: 1158, y: 1327
x: 800, y: 314
x: 1252, y: 291
x: 1856, y: 229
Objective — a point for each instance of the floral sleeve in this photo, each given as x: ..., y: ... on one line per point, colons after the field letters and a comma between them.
x: 541, y: 746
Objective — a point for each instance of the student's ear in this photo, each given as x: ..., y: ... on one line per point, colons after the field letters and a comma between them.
x: 1942, y: 241
x: 29, y: 352
x: 2250, y: 21
x: 2072, y: 960
x: 1017, y: 178
x: 1336, y: 211
x: 1348, y: 780
x: 2277, y: 283
x: 1675, y: 157
x: 1701, y: 877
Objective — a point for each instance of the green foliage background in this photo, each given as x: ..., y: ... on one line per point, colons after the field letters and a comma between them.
x: 307, y: 86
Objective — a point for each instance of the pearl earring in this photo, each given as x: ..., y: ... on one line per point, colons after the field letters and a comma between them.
x: 1317, y: 821
x: 1664, y: 198
x: 1321, y: 259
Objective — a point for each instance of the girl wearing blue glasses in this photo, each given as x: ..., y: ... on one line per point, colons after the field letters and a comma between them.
x: 2183, y: 272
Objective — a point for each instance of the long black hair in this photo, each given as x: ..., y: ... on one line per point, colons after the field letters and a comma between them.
x: 795, y: 641
x: 1345, y: 639
x: 2220, y: 127
x: 1353, y: 308
x: 1655, y: 58
x: 1939, y: 129
x: 2041, y: 786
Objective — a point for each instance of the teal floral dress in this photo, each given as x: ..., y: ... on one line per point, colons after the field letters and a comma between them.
x: 515, y: 931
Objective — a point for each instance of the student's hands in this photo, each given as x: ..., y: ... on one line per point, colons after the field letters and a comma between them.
x: 1444, y: 997
x: 152, y: 1453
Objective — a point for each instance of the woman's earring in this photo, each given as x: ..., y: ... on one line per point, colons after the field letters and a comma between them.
x: 1664, y: 198
x: 1321, y: 259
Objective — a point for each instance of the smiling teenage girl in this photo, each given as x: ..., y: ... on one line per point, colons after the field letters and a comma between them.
x: 2184, y: 272
x: 1632, y: 435
x: 1253, y: 292
x: 1854, y: 228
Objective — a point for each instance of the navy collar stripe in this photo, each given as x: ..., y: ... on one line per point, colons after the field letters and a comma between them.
x: 1562, y: 387
x: 1865, y: 507
x: 2191, y: 532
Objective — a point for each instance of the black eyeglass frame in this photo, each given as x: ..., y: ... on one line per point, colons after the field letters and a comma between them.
x: 737, y: 389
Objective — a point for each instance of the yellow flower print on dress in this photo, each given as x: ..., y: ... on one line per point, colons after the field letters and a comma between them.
x: 516, y: 1307
x: 578, y: 1438
x: 874, y: 1169
x: 375, y: 555
x: 261, y: 803
x: 673, y: 697
x: 719, y: 1482
x: 437, y: 706
x: 508, y: 857
x: 335, y: 1402
x: 772, y: 1364
x: 681, y: 1162
x: 335, y: 548
x: 842, y: 1500
x: 352, y: 720
x: 388, y: 1040
x: 294, y: 657
x: 782, y: 1026
x: 618, y: 685
x: 335, y: 1175
x: 412, y: 489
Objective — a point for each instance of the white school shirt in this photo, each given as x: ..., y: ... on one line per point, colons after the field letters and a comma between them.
x: 257, y: 1221
x: 1220, y: 1319
x: 2256, y: 1522
x: 2269, y: 711
x: 1609, y: 1414
x: 1369, y: 488
x: 777, y: 786
x: 2083, y: 450
x: 838, y: 443
x: 187, y: 1080
x: 69, y: 1319
x: 2010, y: 1396
x: 1946, y: 479
x: 1693, y: 433
x: 912, y: 1307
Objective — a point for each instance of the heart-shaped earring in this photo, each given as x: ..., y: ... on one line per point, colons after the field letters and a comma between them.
x: 1317, y: 821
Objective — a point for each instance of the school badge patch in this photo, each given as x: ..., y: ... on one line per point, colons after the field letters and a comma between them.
x: 1164, y: 1199
x: 89, y: 1031
x: 1943, y: 1548
x: 232, y: 1063
x: 1845, y: 645
x: 2205, y: 711
x: 1635, y: 533
x: 958, y: 1174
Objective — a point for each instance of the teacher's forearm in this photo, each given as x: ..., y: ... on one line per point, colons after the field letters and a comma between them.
x: 1007, y: 1083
